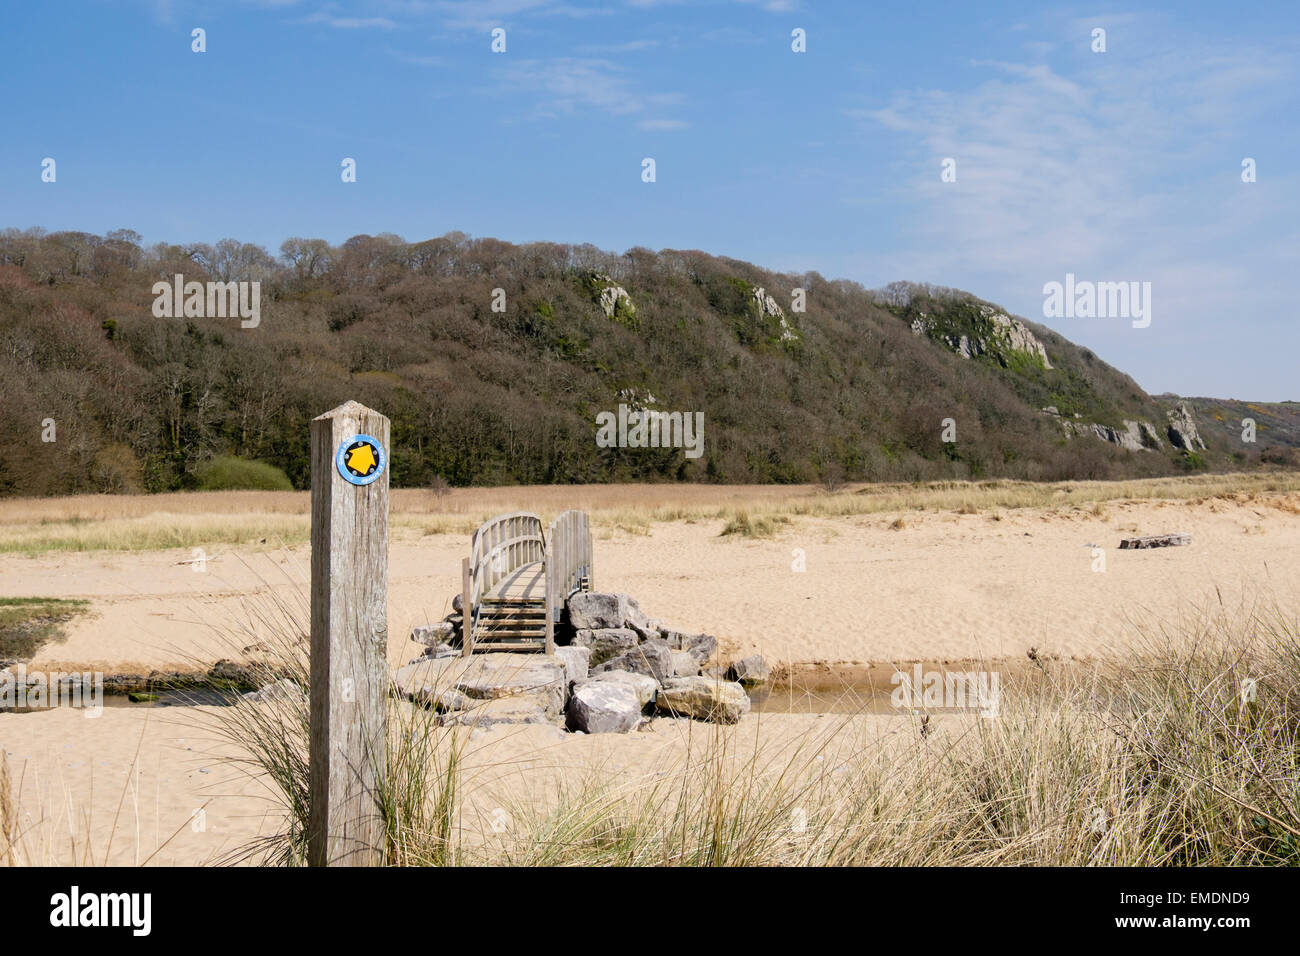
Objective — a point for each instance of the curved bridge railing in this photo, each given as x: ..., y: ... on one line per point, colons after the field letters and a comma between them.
x: 568, y: 564
x: 517, y: 578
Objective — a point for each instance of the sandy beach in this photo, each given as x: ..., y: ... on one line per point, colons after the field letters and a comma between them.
x: 944, y: 586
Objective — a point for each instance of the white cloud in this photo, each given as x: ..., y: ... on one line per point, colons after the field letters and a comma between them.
x: 567, y: 84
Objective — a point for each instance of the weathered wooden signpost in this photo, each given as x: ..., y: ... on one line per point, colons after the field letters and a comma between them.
x: 349, y: 635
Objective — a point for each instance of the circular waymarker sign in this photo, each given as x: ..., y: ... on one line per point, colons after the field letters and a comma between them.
x: 361, y: 459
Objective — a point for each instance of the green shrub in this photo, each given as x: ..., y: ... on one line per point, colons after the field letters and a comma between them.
x: 227, y: 473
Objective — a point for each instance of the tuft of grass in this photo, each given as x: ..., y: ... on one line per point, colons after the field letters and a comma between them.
x: 764, y: 526
x: 1188, y: 754
x: 28, y: 622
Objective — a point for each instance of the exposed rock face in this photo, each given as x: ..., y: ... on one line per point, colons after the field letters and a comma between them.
x: 1016, y: 334
x: 1135, y: 436
x: 1182, y: 429
x: 604, y: 707
x: 613, y: 297
x: 704, y: 699
x: 1004, y: 334
x: 606, y: 642
x: 768, y: 308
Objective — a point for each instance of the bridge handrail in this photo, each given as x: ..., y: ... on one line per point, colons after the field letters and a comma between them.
x: 500, y: 546
x: 569, y: 562
x: 503, y: 544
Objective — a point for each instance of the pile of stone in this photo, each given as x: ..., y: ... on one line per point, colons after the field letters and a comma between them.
x: 613, y: 670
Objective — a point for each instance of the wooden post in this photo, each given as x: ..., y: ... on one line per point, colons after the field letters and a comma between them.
x: 466, y: 611
x: 349, y: 636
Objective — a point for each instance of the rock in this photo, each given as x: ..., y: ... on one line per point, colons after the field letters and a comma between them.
x: 633, y: 616
x: 594, y: 610
x: 502, y: 710
x: 457, y: 603
x: 445, y: 683
x: 437, y: 651
x: 493, y: 676
x: 703, y: 698
x: 646, y: 687
x: 228, y: 674
x: 700, y: 646
x: 1182, y: 429
x: 575, y: 660
x: 430, y: 683
x: 433, y: 634
x: 750, y: 670
x: 653, y: 658
x: 685, y: 664
x: 283, y: 689
x: 1175, y: 539
x: 605, y: 643
x: 999, y: 333
x: 604, y: 707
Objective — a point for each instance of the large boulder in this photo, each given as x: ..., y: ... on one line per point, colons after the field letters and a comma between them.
x: 646, y: 687
x: 591, y: 610
x: 493, y: 676
x: 750, y: 670
x: 653, y: 658
x: 576, y: 661
x: 703, y: 698
x: 503, y: 710
x: 685, y: 665
x: 604, y: 707
x: 445, y: 682
x: 699, y: 646
x: 605, y: 643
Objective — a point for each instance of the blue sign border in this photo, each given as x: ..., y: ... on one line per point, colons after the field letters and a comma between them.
x: 343, y: 468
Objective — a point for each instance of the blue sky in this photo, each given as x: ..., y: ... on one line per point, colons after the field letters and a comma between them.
x: 1115, y: 166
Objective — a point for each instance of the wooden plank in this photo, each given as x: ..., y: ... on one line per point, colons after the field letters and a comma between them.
x: 1175, y: 539
x: 349, y: 644
x: 466, y: 610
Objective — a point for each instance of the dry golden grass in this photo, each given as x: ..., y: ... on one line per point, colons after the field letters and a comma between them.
x: 184, y: 520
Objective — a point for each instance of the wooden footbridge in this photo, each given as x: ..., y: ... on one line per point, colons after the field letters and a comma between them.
x: 517, y: 578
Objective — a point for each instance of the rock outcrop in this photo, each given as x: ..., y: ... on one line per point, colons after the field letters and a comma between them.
x: 995, y: 334
x: 1182, y: 429
x: 1135, y: 435
x: 614, y: 299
